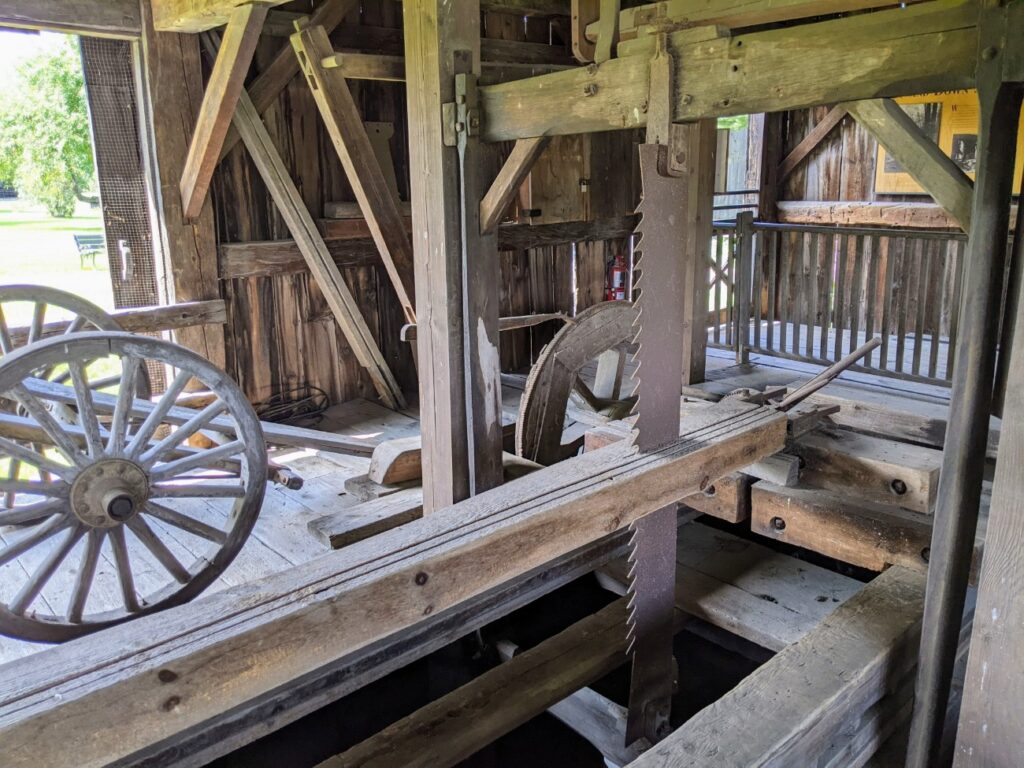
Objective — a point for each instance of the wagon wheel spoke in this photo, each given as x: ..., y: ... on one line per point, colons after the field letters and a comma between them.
x: 123, y: 406
x: 35, y: 331
x: 76, y: 324
x: 24, y: 454
x: 86, y: 409
x: 124, y: 570
x: 186, y: 523
x: 182, y: 433
x: 202, y: 459
x: 30, y: 514
x: 86, y: 574
x: 5, y: 334
x: 155, y: 417
x: 31, y: 589
x: 158, y: 549
x: 50, y: 425
x: 32, y: 539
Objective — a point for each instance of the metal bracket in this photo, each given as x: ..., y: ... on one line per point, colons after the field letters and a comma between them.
x: 461, y: 118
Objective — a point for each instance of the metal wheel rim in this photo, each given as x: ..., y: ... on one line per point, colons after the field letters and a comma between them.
x: 248, y: 453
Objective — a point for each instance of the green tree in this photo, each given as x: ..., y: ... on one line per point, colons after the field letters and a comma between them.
x: 45, y: 143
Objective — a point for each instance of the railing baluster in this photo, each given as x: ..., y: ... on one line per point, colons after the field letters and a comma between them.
x: 872, y: 291
x: 901, y: 309
x: 810, y: 265
x: 887, y: 287
x: 719, y: 278
x: 786, y: 257
x: 856, y: 294
x: 839, y: 300
x: 923, y: 263
x: 954, y: 315
x: 773, y: 298
x: 937, y: 259
x: 758, y: 275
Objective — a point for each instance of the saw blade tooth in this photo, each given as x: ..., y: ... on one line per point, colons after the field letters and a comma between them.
x: 634, y: 565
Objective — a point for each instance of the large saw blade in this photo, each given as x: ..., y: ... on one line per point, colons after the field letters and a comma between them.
x: 659, y: 340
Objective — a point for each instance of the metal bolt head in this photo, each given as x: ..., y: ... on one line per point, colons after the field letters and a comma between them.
x: 590, y: 89
x: 778, y: 524
x: 989, y: 53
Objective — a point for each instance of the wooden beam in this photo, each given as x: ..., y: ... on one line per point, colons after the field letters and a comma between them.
x: 456, y: 266
x: 866, y: 214
x: 811, y: 141
x: 289, y: 202
x: 227, y: 651
x: 273, y: 257
x: 266, y: 88
x: 870, y: 468
x: 855, y: 531
x: 227, y: 81
x: 787, y: 711
x: 513, y: 173
x: 370, y: 518
x: 639, y: 19
x: 990, y: 732
x: 199, y: 15
x: 111, y: 18
x: 370, y: 66
x: 918, y: 155
x: 145, y: 319
x: 352, y: 143
x: 927, y: 47
x: 172, y: 76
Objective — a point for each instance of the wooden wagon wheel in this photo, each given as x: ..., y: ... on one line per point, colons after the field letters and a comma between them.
x: 600, y: 331
x: 121, y: 481
x: 30, y: 313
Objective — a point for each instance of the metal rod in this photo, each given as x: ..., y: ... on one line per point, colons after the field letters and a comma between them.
x: 1015, y: 278
x: 959, y: 496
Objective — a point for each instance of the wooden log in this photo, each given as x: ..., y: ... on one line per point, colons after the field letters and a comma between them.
x: 113, y: 18
x: 289, y: 202
x: 854, y: 531
x: 787, y: 710
x: 810, y: 142
x: 230, y: 649
x: 873, y: 468
x: 513, y: 173
x: 352, y: 143
x: 226, y: 83
x: 918, y: 155
x: 396, y: 461
x: 341, y: 529
x: 927, y: 47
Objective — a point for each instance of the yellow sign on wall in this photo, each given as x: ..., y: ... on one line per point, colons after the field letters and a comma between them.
x: 951, y: 120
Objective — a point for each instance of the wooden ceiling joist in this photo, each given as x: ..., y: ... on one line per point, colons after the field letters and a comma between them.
x: 926, y: 47
x: 388, y: 68
x: 110, y: 18
x: 918, y: 155
x: 226, y: 652
x: 199, y: 15
x: 226, y: 83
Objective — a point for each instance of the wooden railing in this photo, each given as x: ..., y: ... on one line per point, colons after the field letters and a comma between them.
x: 813, y: 294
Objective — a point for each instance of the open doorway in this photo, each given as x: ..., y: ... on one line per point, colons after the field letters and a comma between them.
x: 74, y: 206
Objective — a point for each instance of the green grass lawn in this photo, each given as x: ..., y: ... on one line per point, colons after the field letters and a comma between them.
x: 36, y: 248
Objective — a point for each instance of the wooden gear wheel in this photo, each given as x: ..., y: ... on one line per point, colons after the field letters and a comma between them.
x: 119, y: 513
x: 601, y: 332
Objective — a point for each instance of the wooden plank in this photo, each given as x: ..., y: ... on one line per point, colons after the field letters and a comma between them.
x: 226, y: 83
x: 351, y: 525
x: 395, y: 461
x: 811, y: 689
x: 872, y: 468
x: 199, y: 15
x: 811, y: 141
x: 289, y: 202
x: 927, y: 47
x: 849, y: 529
x: 865, y: 214
x: 456, y: 293
x: 111, y: 18
x: 172, y: 80
x: 352, y: 143
x: 504, y: 188
x: 989, y: 732
x: 389, y: 68
x: 266, y: 88
x: 232, y: 648
x: 462, y: 722
x: 918, y: 155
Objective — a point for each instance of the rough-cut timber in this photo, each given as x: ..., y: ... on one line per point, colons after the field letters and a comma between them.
x: 817, y: 134
x: 789, y: 709
x: 226, y: 83
x: 234, y: 647
x: 110, y: 18
x: 199, y: 15
x: 918, y: 155
x: 927, y: 47
x: 513, y: 173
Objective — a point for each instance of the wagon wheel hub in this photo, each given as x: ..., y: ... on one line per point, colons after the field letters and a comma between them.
x: 109, y: 492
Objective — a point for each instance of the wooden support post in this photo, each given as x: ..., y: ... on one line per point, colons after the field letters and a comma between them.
x: 173, y: 82
x: 456, y: 267
x: 302, y: 227
x: 352, y: 143
x: 513, y: 173
x: 743, y: 281
x: 990, y: 716
x: 694, y: 147
x: 918, y: 154
x: 226, y: 84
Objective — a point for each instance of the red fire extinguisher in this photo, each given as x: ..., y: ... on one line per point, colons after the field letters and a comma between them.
x: 616, y: 282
